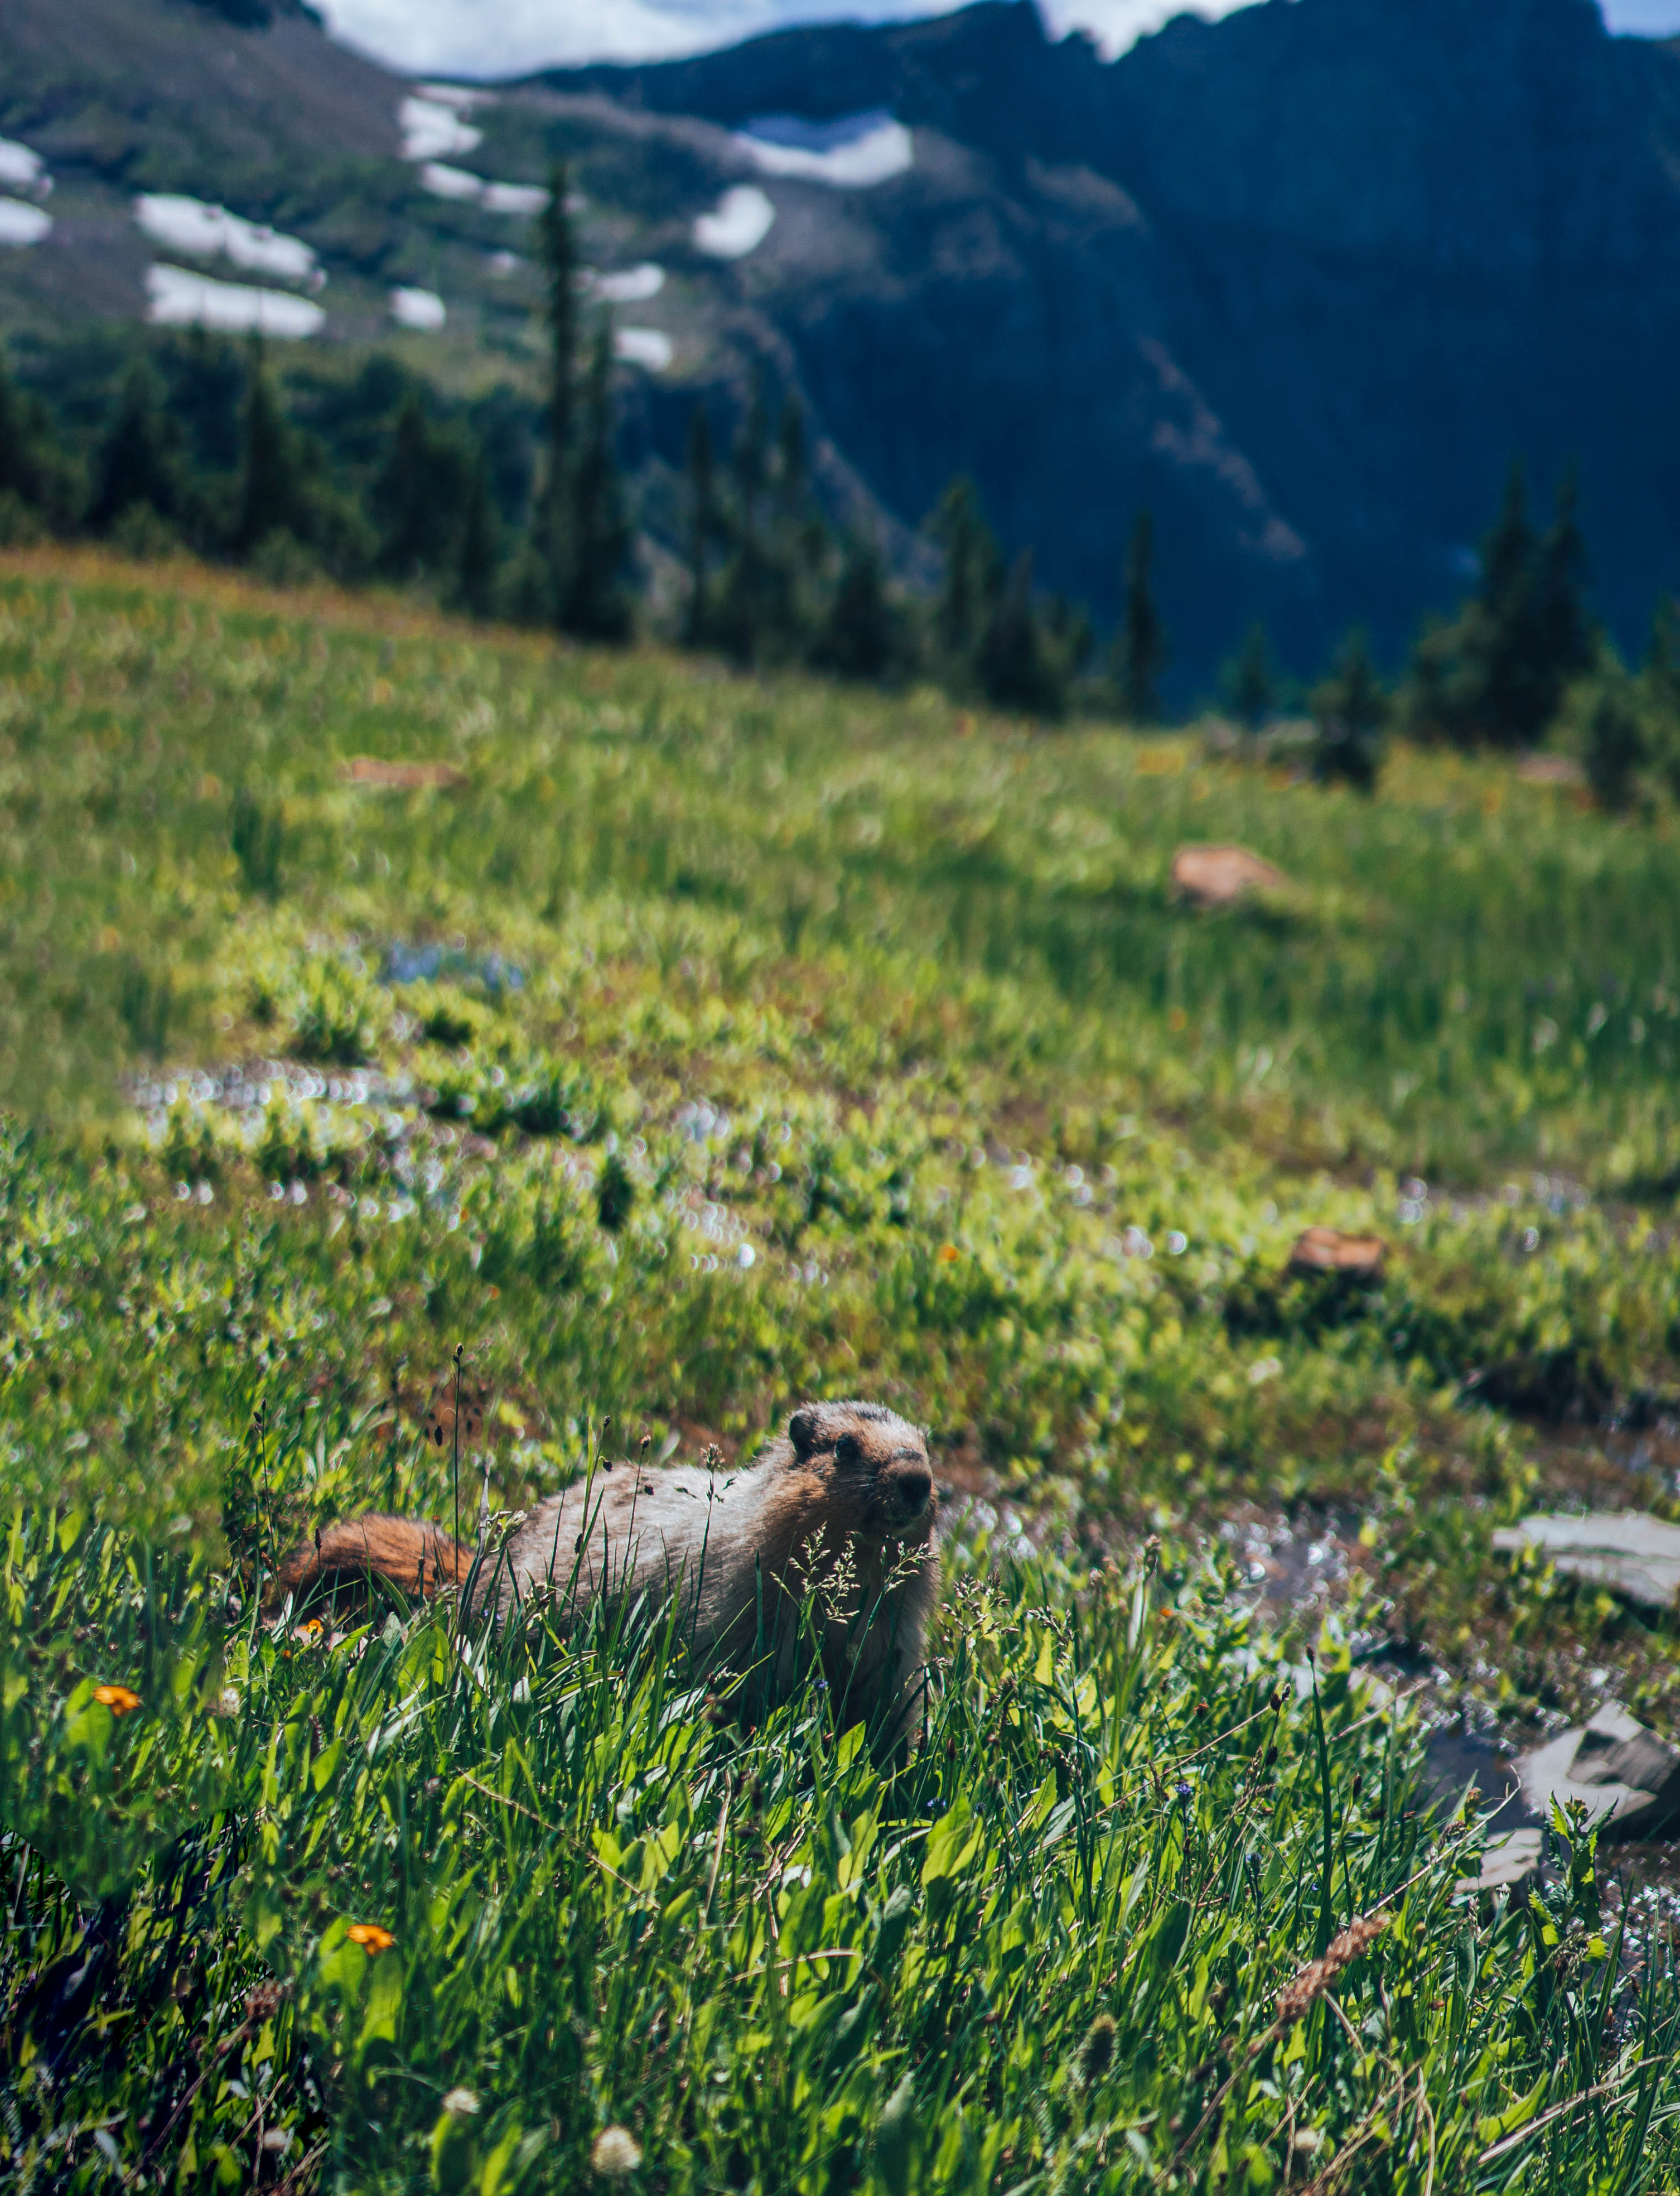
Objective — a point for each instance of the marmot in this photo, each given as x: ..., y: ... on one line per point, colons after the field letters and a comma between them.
x: 842, y: 1504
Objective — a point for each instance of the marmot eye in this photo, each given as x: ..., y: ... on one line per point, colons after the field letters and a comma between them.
x: 848, y: 1450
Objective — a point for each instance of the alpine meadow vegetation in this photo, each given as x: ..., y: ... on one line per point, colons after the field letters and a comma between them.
x: 444, y: 1062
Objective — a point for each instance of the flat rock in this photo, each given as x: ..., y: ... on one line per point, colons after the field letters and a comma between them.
x: 373, y: 770
x: 1625, y: 1776
x: 1550, y: 770
x: 1328, y: 1251
x: 1634, y: 1554
x: 1509, y: 1859
x: 1219, y: 877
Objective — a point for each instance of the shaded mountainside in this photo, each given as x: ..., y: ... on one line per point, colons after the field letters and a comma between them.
x: 1304, y: 280
x: 1306, y: 277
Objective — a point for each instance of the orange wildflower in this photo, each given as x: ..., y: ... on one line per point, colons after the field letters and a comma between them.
x: 949, y: 1254
x: 371, y: 1936
x: 118, y: 1698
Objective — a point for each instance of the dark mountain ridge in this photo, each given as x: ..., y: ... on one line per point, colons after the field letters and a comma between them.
x: 1305, y: 278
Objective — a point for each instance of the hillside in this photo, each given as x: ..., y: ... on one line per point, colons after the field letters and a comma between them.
x: 456, y: 1064
x: 1304, y: 280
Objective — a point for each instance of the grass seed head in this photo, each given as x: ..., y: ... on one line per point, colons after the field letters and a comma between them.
x: 1306, y: 1987
x: 1096, y: 2053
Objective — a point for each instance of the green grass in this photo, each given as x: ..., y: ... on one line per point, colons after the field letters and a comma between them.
x: 777, y: 1040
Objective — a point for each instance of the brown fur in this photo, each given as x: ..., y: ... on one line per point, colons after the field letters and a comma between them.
x: 842, y: 1505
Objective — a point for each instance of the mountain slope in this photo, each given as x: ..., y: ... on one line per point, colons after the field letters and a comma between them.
x: 1304, y: 280
x: 1391, y: 245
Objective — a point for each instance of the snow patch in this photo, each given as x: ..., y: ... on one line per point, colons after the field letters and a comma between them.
x: 527, y: 198
x: 184, y: 224
x: 737, y: 225
x: 419, y: 309
x: 648, y: 347
x: 180, y: 299
x: 634, y: 285
x: 503, y: 263
x: 852, y: 154
x: 20, y: 170
x: 22, y: 224
x: 459, y: 98
x: 431, y: 130
x: 446, y: 183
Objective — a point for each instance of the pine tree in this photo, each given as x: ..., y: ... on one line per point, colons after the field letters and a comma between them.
x: 973, y: 576
x: 1662, y: 657
x: 1614, y: 744
x: 557, y: 247
x: 1016, y: 668
x: 1565, y: 635
x: 139, y: 460
x: 1504, y: 686
x: 32, y: 467
x: 597, y: 604
x: 1254, y: 691
x: 1140, y: 645
x: 702, y: 528
x: 750, y: 596
x: 859, y: 637
x: 1350, y: 709
x: 267, y: 497
x: 418, y: 494
x: 477, y: 550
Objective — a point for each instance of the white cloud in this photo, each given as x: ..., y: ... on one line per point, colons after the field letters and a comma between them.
x: 493, y: 37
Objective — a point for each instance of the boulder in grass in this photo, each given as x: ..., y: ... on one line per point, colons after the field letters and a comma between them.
x: 1506, y: 1862
x: 373, y: 770
x: 1634, y: 1554
x: 1550, y: 770
x: 1626, y: 1778
x: 1219, y: 876
x: 1328, y: 1251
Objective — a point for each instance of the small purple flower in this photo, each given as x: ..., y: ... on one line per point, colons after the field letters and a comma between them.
x: 1183, y: 1793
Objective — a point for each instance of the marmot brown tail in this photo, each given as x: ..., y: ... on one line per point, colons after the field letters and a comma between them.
x: 418, y: 1559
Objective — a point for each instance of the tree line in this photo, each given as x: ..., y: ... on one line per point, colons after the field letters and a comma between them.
x: 503, y: 510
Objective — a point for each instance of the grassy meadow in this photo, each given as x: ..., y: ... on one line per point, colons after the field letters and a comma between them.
x: 686, y: 1046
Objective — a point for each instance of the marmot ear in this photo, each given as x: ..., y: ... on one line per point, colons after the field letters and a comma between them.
x: 802, y: 1432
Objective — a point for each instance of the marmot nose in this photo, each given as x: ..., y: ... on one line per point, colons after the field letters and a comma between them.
x: 913, y: 1485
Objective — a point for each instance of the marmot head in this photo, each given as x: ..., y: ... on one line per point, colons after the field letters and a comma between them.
x: 876, y: 1464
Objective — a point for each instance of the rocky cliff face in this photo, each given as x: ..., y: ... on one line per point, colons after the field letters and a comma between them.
x: 1305, y: 278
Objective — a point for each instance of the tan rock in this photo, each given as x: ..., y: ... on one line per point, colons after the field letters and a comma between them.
x: 1219, y: 877
x: 373, y: 769
x: 1328, y: 1251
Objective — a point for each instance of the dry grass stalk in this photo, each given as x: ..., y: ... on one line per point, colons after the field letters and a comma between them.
x: 1304, y: 1990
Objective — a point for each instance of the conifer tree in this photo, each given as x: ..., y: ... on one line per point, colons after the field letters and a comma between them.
x: 418, y: 494
x: 973, y: 575
x: 1016, y: 668
x: 268, y: 499
x: 139, y: 460
x: 597, y: 604
x: 1662, y: 658
x: 1564, y: 634
x: 859, y: 636
x: 751, y: 594
x: 1350, y: 709
x: 558, y: 248
x: 478, y: 549
x: 32, y: 467
x: 1140, y: 645
x: 703, y: 527
x: 1254, y: 691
